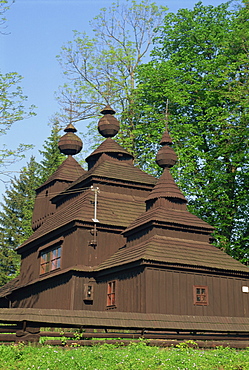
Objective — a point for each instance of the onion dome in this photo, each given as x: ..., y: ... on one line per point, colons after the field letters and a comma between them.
x: 70, y: 144
x: 108, y: 125
x: 166, y: 186
x: 166, y: 156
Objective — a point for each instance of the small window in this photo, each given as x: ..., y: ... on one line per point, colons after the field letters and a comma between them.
x: 111, y: 291
x: 88, y: 292
x: 201, y: 295
x: 50, y: 259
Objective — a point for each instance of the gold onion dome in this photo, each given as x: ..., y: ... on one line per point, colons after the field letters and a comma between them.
x: 70, y: 144
x: 108, y: 125
x: 166, y: 156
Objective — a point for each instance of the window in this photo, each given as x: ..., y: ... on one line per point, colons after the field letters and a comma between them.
x: 50, y: 259
x: 201, y: 295
x: 111, y: 290
x: 88, y: 292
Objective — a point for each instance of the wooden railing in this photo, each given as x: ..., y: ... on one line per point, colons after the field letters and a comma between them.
x: 29, y: 332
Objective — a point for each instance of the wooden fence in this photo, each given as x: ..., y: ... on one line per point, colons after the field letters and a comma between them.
x: 29, y: 332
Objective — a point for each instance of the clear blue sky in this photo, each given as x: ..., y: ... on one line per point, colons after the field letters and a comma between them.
x: 37, y: 30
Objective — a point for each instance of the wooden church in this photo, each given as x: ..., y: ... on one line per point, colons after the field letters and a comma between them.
x: 114, y: 238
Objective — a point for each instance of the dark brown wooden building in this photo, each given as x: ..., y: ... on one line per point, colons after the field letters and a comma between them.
x: 115, y: 238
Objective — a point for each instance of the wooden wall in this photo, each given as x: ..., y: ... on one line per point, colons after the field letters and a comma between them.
x: 78, y: 251
x: 50, y: 293
x: 130, y: 292
x: 171, y: 292
x: 43, y: 206
x: 152, y: 290
x: 167, y: 291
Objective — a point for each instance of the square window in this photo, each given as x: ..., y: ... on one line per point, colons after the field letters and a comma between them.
x: 200, y: 294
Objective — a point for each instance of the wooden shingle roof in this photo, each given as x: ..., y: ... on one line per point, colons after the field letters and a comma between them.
x: 119, y: 171
x: 109, y: 146
x: 166, y: 187
x: 126, y: 320
x: 113, y: 209
x: 169, y: 217
x: 172, y: 251
x: 9, y: 287
x: 107, y: 170
x: 69, y: 170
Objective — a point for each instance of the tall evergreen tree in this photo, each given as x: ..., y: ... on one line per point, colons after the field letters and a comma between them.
x: 18, y: 203
x: 52, y: 157
x: 9, y: 262
x: 15, y: 218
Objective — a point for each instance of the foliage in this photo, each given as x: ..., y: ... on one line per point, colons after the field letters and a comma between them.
x: 18, y: 203
x: 12, y: 109
x: 4, y: 6
x: 101, y: 70
x: 12, y: 101
x: 12, y: 104
x: 51, y: 156
x: 8, y: 157
x: 200, y: 63
x: 136, y: 356
x: 15, y: 218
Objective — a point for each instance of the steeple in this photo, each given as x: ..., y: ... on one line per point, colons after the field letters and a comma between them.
x: 69, y: 171
x: 166, y: 187
x: 108, y: 127
x: 166, y: 206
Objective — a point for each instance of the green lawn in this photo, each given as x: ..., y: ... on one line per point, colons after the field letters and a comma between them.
x: 109, y: 357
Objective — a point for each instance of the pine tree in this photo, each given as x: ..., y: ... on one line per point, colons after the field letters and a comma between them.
x: 18, y: 203
x: 15, y: 218
x: 52, y: 157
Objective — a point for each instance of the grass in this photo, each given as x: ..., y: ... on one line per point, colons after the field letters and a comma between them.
x: 137, y: 356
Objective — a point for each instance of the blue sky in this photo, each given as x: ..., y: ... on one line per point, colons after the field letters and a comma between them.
x: 37, y: 29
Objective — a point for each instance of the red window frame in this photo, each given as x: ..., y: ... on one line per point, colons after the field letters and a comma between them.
x: 200, y: 295
x: 50, y: 259
x: 111, y: 293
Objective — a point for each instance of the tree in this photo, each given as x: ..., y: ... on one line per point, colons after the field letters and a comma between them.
x: 101, y: 70
x: 12, y: 105
x: 200, y: 63
x: 15, y: 218
x: 18, y: 203
x: 52, y: 156
x: 12, y: 109
x: 9, y: 263
x: 3, y: 8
